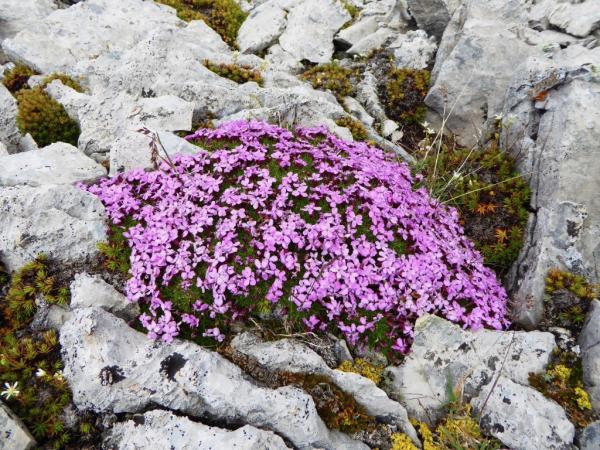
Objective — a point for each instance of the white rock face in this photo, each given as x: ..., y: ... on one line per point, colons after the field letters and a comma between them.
x: 19, y: 15
x: 112, y: 367
x: 85, y: 30
x: 579, y: 19
x: 92, y: 291
x: 163, y: 429
x: 262, y: 27
x: 475, y: 62
x: 9, y: 133
x: 414, y: 49
x: 372, y: 42
x: 133, y: 150
x: 522, y: 418
x: 443, y: 354
x: 58, y: 163
x: 590, y: 436
x: 3, y: 150
x: 15, y: 435
x: 590, y: 349
x: 292, y: 356
x: 104, y: 118
x: 563, y: 163
x: 59, y: 220
x: 310, y: 28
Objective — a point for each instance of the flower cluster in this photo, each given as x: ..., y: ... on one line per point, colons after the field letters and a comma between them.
x: 329, y: 232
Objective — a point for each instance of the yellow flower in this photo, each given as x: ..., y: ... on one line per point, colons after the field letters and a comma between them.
x: 401, y: 441
x: 583, y: 399
x: 561, y: 372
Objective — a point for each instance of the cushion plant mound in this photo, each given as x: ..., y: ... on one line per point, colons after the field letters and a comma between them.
x: 329, y: 232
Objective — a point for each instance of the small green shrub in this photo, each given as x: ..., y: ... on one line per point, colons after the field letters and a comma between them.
x: 402, y: 93
x: 238, y: 73
x: 332, y: 77
x: 223, y: 16
x: 358, y: 130
x: 43, y: 117
x: 16, y: 79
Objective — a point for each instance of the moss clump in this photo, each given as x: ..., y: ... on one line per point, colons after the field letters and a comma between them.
x: 30, y: 367
x: 16, y: 79
x: 563, y: 383
x: 358, y: 130
x: 487, y: 190
x: 567, y: 300
x: 27, y: 284
x: 558, y: 279
x: 223, y: 16
x: 458, y: 430
x: 116, y: 251
x: 238, y: 73
x: 403, y: 93
x: 362, y: 367
x: 331, y: 77
x: 43, y: 117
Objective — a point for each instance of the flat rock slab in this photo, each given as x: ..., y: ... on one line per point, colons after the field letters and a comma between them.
x: 58, y: 163
x: 60, y: 221
x: 13, y: 434
x: 164, y: 430
x: 443, y: 354
x: 113, y: 368
x: 522, y: 418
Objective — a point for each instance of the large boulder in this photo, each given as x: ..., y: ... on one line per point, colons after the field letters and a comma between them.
x: 552, y: 125
x: 474, y: 64
x: 113, y: 368
x: 60, y: 221
x: 522, y: 418
x: 9, y: 133
x: 262, y: 27
x: 311, y: 25
x: 85, y: 30
x: 58, y: 163
x: 444, y: 356
x: 589, y: 341
x: 20, y: 15
x: 164, y: 430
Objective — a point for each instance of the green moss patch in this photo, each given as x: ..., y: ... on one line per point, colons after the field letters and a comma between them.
x: 43, y: 117
x: 238, y: 73
x: 332, y: 77
x: 30, y: 367
x: 223, y: 16
x: 402, y: 94
x: 16, y: 79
